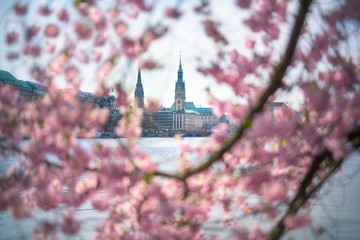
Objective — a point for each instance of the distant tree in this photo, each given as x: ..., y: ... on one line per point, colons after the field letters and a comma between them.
x: 283, y: 161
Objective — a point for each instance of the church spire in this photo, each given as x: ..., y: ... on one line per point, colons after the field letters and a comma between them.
x: 180, y: 90
x: 139, y: 91
x: 180, y: 71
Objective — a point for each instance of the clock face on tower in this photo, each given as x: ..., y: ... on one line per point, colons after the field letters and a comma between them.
x: 179, y: 101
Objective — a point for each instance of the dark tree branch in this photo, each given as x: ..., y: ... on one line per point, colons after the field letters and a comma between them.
x: 302, y: 196
x: 276, y: 83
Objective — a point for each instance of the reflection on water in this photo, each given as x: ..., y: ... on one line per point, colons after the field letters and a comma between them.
x: 337, y: 208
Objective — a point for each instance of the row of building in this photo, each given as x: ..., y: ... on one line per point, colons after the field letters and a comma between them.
x: 181, y: 116
x: 31, y: 91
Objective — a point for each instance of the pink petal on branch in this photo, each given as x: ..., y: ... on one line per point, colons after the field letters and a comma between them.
x: 149, y: 64
x: 201, y: 7
x: 173, y: 13
x: 249, y: 42
x: 294, y: 221
x: 12, y: 55
x: 93, y: 13
x: 212, y: 30
x: 105, y: 70
x: 70, y: 225
x: 44, y: 11
x: 63, y: 15
x: 243, y: 3
x: 71, y: 73
x: 274, y: 192
x: 132, y: 11
x: 130, y: 47
x: 31, y: 50
x: 20, y: 10
x: 12, y: 37
x: 51, y: 31
x: 83, y: 30
x: 101, y: 39
x: 49, y: 47
x: 31, y: 32
x: 57, y: 64
x: 96, y: 56
x: 120, y: 27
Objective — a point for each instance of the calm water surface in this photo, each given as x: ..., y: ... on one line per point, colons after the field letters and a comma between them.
x: 337, y: 208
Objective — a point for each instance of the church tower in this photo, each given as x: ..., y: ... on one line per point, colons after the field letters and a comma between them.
x: 180, y: 91
x: 139, y: 92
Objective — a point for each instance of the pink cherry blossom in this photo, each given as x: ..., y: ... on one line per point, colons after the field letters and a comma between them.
x: 31, y: 32
x: 173, y: 13
x: 20, y: 9
x: 212, y: 30
x: 120, y: 27
x: 83, y: 31
x: 44, y: 11
x: 51, y: 31
x: 293, y: 222
x: 101, y: 39
x: 70, y: 225
x: 31, y: 50
x: 243, y: 3
x: 63, y: 15
x: 12, y: 37
x: 71, y: 73
x: 12, y: 55
x: 58, y: 63
x: 274, y: 192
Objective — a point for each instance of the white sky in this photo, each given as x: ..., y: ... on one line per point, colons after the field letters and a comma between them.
x: 186, y: 35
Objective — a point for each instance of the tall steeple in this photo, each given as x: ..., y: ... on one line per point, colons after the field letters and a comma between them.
x: 180, y: 90
x: 139, y: 91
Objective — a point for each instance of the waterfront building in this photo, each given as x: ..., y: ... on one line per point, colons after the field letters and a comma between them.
x: 187, y: 117
x: 163, y: 119
x: 28, y: 91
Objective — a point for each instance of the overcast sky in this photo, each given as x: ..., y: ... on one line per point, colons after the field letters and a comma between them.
x: 185, y: 35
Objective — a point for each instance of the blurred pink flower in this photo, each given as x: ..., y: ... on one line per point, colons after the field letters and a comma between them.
x: 12, y: 55
x: 274, y: 192
x: 63, y: 15
x: 212, y: 30
x: 12, y: 37
x: 71, y: 73
x: 243, y: 3
x: 31, y: 32
x: 57, y: 64
x: 83, y: 30
x: 70, y: 225
x: 293, y: 222
x: 44, y: 11
x: 31, y: 50
x: 51, y: 30
x: 249, y: 42
x: 20, y: 10
x: 173, y: 13
x: 201, y: 7
x: 120, y: 27
x: 101, y: 39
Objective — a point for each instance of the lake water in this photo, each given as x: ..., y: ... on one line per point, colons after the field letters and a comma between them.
x: 337, y: 208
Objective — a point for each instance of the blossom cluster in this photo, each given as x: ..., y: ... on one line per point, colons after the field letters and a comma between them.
x: 272, y: 165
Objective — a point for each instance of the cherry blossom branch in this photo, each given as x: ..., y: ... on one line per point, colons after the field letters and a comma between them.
x: 302, y: 196
x: 276, y: 83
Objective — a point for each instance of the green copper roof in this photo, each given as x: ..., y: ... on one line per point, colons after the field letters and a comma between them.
x: 8, y: 78
x: 191, y: 106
